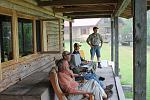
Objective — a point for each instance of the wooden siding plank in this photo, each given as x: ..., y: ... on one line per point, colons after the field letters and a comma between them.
x: 139, y: 49
x: 31, y: 6
x: 5, y: 11
x: 25, y: 9
x: 49, y: 13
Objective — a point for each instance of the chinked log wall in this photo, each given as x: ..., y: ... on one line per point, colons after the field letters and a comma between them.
x: 14, y: 72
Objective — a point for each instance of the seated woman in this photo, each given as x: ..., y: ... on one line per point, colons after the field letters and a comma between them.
x: 69, y: 85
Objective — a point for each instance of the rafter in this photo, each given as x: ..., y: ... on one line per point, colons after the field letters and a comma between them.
x: 84, y: 9
x: 75, y: 2
x: 122, y: 7
x: 148, y: 2
x: 88, y: 13
x: 95, y: 16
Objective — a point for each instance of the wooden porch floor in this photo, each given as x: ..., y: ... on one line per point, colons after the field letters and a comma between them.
x: 107, y: 72
x: 24, y: 89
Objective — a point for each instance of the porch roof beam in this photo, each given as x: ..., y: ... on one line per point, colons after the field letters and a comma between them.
x: 122, y: 7
x: 95, y: 16
x: 84, y: 9
x: 75, y: 2
x: 88, y: 13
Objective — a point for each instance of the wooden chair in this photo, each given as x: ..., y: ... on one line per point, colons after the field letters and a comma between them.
x: 62, y: 96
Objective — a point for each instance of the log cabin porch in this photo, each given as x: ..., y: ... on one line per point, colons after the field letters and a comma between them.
x: 32, y: 38
x: 37, y: 86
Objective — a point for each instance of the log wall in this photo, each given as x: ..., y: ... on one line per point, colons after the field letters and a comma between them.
x: 16, y: 71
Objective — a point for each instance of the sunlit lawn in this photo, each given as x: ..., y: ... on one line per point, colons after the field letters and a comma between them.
x: 125, y: 61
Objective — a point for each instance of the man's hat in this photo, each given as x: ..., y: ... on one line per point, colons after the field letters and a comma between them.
x: 77, y: 45
x: 66, y: 53
x: 95, y: 28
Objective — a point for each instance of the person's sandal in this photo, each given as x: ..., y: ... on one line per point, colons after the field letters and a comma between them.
x: 109, y: 93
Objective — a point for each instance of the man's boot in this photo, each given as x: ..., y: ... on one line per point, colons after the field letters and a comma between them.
x: 99, y: 65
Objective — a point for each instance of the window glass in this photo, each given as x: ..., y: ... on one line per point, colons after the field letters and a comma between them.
x: 6, y: 38
x: 25, y: 31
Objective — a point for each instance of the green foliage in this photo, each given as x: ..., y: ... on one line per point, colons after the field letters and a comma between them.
x: 127, y: 27
x: 148, y: 27
x: 128, y: 94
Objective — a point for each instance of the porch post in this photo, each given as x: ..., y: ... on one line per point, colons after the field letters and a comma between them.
x: 139, y: 49
x: 15, y: 36
x: 116, y: 47
x: 70, y: 27
x: 112, y: 39
x: 34, y: 36
x: 0, y: 63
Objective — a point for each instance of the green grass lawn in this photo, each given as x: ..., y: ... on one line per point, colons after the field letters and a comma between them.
x: 125, y: 62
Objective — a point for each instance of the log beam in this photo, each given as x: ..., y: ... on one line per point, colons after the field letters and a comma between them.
x: 84, y: 9
x: 95, y: 16
x: 88, y: 13
x: 75, y: 2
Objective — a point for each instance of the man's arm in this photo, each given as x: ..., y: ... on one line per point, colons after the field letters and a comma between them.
x: 88, y: 41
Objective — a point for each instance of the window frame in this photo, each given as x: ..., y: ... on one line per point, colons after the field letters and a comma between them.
x: 43, y: 31
x: 15, y: 15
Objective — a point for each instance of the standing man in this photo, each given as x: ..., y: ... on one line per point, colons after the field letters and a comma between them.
x: 95, y: 41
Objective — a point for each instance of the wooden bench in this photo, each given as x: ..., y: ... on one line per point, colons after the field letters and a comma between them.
x: 62, y: 96
x: 34, y: 87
